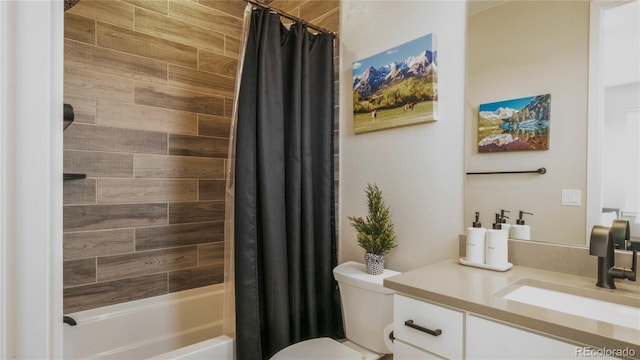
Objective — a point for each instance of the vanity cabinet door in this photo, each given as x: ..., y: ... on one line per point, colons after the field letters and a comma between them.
x: 434, y: 328
x: 402, y: 351
x: 491, y: 340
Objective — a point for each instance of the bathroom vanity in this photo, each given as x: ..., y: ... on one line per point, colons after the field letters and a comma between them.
x: 446, y: 310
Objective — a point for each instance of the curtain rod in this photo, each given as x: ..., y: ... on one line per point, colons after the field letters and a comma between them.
x: 291, y: 17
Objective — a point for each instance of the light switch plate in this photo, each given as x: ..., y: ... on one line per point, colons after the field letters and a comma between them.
x: 571, y: 197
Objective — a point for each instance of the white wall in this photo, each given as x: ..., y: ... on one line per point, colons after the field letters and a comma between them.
x: 31, y: 58
x: 531, y: 48
x: 621, y: 38
x: 418, y: 168
x: 620, y: 136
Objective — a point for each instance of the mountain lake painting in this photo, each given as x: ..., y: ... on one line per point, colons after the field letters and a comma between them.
x: 397, y: 87
x: 514, y: 125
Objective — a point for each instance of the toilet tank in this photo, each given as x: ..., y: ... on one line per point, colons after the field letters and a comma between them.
x: 367, y: 306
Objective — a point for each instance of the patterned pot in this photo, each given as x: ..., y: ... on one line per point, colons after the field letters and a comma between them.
x: 374, y: 263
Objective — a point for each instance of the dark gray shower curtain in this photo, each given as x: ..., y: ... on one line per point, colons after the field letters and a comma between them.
x: 285, y: 244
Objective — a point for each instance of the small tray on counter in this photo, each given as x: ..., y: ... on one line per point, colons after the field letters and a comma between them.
x: 504, y: 267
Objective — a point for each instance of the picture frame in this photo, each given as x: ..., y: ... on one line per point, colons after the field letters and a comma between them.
x: 397, y: 87
x: 514, y: 125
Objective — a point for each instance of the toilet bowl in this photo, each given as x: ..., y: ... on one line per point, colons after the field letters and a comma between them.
x: 320, y: 349
x: 367, y: 310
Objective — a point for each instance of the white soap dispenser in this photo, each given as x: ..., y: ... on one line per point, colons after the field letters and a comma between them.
x: 520, y: 230
x: 496, y: 252
x: 475, y: 249
x: 503, y: 221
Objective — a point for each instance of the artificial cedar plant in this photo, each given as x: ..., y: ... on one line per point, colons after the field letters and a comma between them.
x: 375, y: 233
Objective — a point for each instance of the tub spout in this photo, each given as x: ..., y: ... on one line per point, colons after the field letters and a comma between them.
x: 69, y: 320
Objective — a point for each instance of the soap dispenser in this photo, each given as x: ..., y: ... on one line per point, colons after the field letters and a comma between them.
x: 476, y: 241
x: 503, y: 221
x: 520, y: 230
x: 496, y: 243
x: 497, y: 224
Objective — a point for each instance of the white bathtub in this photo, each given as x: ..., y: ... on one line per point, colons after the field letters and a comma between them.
x: 184, y: 325
x: 218, y: 348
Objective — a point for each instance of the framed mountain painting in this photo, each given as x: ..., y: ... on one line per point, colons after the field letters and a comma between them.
x: 397, y: 87
x: 515, y: 125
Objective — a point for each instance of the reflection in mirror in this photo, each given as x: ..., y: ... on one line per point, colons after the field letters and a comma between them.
x: 616, y: 84
x: 526, y: 48
x: 518, y: 49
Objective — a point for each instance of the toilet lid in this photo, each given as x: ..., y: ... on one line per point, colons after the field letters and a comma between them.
x: 320, y: 348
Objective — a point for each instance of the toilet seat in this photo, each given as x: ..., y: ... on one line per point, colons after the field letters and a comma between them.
x: 320, y: 348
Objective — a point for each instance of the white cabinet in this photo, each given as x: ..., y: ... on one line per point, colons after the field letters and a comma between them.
x: 491, y: 340
x: 402, y: 350
x: 425, y: 330
x: 430, y: 327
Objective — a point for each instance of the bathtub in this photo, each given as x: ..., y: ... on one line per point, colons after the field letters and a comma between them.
x: 183, y: 325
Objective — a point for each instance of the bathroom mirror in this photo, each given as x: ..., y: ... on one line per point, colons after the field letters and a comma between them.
x: 519, y: 49
x: 614, y: 127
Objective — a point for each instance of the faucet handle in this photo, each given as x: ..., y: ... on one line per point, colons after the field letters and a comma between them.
x: 620, y: 233
x: 599, y: 241
x: 634, y: 266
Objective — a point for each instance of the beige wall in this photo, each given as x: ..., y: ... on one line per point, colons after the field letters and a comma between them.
x: 152, y: 84
x: 520, y: 49
x: 418, y: 168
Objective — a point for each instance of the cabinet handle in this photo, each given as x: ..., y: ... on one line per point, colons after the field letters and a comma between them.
x: 410, y: 324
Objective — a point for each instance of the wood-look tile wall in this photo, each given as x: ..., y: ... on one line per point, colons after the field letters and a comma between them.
x: 152, y: 85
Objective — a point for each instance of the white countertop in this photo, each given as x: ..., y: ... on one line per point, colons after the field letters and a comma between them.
x: 478, y: 291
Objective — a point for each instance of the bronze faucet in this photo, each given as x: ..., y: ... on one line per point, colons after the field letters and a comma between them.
x: 602, y: 245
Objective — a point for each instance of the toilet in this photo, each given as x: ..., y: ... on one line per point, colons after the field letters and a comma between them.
x: 367, y: 310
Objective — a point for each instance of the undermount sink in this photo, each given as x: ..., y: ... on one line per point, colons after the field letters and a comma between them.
x: 597, y: 305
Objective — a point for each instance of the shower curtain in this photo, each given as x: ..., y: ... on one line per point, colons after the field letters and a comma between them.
x: 285, y: 243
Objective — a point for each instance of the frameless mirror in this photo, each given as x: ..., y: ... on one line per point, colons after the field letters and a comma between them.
x: 519, y: 49
x: 614, y: 126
